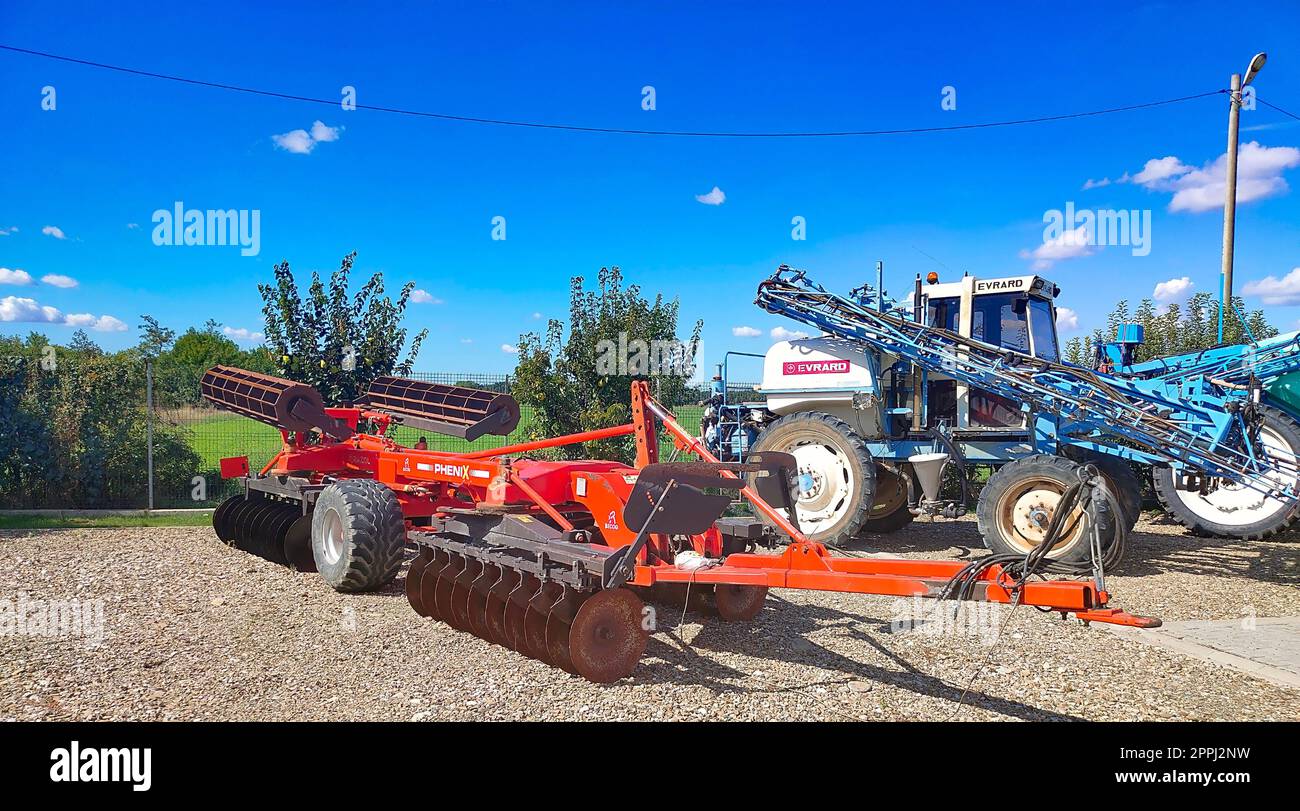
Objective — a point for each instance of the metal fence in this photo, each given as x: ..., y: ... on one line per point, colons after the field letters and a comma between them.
x: 184, y: 445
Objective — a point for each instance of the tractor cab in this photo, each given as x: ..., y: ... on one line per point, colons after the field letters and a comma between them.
x: 1017, y: 313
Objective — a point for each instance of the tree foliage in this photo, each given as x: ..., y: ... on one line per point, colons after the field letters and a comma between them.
x: 332, y: 339
x: 73, y: 429
x: 1177, y: 329
x: 568, y: 379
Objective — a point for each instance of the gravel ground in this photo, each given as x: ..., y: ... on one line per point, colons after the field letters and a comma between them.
x: 195, y: 630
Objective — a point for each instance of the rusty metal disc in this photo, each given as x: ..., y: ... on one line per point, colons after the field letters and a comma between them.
x: 517, y: 610
x: 558, y: 622
x: 535, y: 621
x: 429, y: 581
x: 476, y: 608
x: 221, y: 516
x: 297, y: 544
x: 739, y: 603
x: 413, y: 575
x: 608, y: 636
x: 494, y: 611
x: 442, y: 595
x: 460, y: 594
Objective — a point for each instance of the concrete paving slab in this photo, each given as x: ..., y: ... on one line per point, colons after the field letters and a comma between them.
x: 1267, y: 647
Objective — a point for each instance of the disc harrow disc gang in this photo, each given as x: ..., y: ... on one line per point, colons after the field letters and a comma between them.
x: 517, y: 611
x: 429, y: 580
x: 221, y: 518
x: 496, y: 607
x: 443, y: 593
x: 476, y: 608
x: 608, y: 636
x: 539, y: 608
x: 460, y: 588
x: 413, y: 574
x: 297, y: 544
x: 739, y: 603
x: 558, y: 622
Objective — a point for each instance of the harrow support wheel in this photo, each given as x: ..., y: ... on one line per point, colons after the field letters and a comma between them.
x: 414, y: 573
x: 608, y: 636
x: 739, y: 603
x: 358, y: 535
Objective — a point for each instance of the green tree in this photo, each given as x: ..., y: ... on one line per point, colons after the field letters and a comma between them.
x: 1178, y: 329
x: 582, y: 381
x: 331, y: 339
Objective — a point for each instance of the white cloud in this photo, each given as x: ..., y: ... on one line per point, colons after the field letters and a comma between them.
x: 4, y: 232
x: 537, y: 315
x: 133, y: 226
x: 1272, y: 290
x: 510, y: 349
x: 423, y: 297
x: 27, y: 310
x: 783, y: 334
x: 1173, y: 289
x: 103, y: 323
x: 1067, y: 320
x: 467, y: 340
x: 1096, y: 184
x: 1069, y: 245
x: 59, y: 280
x: 19, y: 276
x: 746, y: 332
x: 714, y: 198
x: 54, y: 231
x: 321, y: 133
x: 1259, y: 176
x: 243, y: 335
x: 302, y: 142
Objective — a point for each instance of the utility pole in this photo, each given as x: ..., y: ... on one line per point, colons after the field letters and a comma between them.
x: 1230, y: 198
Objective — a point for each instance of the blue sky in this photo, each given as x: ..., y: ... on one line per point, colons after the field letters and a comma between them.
x: 416, y: 197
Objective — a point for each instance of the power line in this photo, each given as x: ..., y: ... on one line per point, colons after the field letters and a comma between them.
x: 607, y: 130
x: 1275, y: 107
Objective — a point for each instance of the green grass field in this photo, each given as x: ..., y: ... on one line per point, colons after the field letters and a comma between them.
x: 196, y: 519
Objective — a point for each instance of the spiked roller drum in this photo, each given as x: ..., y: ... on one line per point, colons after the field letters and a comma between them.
x: 275, y: 401
x: 457, y: 411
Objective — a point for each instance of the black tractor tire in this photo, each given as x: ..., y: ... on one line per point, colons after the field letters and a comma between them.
x: 852, y: 481
x: 1124, y: 483
x: 357, y: 535
x: 889, y: 511
x: 1282, y: 426
x: 1013, y: 489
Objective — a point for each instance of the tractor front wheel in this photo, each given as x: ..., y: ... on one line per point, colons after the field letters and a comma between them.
x: 889, y: 511
x: 357, y: 535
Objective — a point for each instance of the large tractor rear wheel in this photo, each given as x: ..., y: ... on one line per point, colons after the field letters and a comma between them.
x: 1017, y: 504
x: 836, y: 484
x: 357, y: 535
x: 1231, y: 510
x: 889, y: 510
x: 1124, y: 483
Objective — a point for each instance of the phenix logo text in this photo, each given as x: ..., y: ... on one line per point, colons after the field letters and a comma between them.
x: 181, y: 226
x: 74, y: 764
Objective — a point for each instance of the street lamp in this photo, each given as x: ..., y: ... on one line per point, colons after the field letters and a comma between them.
x: 1230, y: 200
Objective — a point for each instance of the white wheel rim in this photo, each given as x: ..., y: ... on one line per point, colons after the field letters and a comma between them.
x: 830, y: 483
x: 332, y: 543
x: 1236, y: 505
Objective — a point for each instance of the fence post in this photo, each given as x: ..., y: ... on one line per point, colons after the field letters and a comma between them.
x: 148, y: 424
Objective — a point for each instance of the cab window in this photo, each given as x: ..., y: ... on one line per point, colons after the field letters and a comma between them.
x: 1001, y: 320
x: 1043, y: 328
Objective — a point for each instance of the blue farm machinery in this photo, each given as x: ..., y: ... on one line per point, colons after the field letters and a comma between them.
x: 887, y: 397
